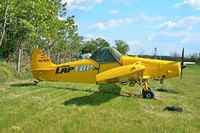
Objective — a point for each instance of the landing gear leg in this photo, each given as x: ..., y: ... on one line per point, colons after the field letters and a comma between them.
x: 146, y: 91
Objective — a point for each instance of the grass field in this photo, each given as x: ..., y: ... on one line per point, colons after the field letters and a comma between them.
x: 80, y: 108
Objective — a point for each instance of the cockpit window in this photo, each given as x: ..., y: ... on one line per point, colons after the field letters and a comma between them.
x: 106, y: 55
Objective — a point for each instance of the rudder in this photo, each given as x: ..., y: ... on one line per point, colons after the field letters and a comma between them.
x: 39, y: 62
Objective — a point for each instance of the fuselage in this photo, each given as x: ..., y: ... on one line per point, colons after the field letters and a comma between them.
x: 87, y: 69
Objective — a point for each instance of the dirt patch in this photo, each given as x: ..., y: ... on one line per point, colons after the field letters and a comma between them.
x: 15, y: 128
x: 15, y: 95
x: 36, y: 97
x: 17, y: 81
x: 131, y: 95
x: 158, y: 97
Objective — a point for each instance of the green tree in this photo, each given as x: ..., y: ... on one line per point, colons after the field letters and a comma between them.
x: 92, y: 45
x: 35, y: 23
x: 100, y: 43
x: 89, y: 47
x: 121, y: 46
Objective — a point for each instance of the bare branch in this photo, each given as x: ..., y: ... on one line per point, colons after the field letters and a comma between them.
x: 5, y: 20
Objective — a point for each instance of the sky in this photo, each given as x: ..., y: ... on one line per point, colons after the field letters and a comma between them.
x: 168, y: 25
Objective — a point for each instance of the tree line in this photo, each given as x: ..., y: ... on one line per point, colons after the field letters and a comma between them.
x: 29, y: 24
x: 195, y: 57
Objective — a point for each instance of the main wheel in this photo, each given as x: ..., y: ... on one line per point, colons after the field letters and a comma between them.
x: 143, y: 91
x: 148, y: 94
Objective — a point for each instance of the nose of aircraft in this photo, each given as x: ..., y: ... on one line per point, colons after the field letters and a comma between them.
x: 179, y: 68
x: 182, y: 66
x: 174, y: 70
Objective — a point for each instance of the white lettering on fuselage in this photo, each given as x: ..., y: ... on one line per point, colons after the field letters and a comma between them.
x: 83, y: 68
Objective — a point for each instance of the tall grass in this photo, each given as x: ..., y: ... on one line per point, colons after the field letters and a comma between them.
x: 8, y: 73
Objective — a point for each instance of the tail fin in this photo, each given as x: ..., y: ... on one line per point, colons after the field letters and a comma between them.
x: 40, y: 61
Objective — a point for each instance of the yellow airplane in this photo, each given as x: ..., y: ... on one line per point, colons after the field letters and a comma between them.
x: 106, y: 66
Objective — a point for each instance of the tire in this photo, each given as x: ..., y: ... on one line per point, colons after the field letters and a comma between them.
x: 143, y: 91
x: 148, y: 94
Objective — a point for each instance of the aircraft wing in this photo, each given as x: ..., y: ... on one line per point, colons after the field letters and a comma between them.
x: 121, y: 74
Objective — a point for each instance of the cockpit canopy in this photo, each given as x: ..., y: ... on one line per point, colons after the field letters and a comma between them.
x: 106, y: 55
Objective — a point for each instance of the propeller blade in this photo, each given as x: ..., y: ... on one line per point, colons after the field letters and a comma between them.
x: 182, y: 57
x: 182, y: 63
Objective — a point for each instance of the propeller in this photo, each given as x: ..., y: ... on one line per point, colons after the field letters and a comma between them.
x: 182, y: 63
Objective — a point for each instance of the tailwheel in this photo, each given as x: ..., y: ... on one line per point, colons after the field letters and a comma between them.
x: 37, y: 81
x: 149, y: 94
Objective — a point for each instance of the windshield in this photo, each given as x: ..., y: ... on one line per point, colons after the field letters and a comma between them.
x: 106, y: 55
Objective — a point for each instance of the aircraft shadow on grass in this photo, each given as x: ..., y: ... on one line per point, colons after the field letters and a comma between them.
x: 22, y: 85
x: 106, y: 93
x: 169, y: 91
x: 175, y: 92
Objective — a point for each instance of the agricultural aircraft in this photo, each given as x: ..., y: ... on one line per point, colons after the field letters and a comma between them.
x: 106, y: 66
